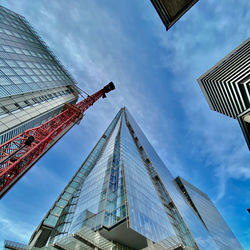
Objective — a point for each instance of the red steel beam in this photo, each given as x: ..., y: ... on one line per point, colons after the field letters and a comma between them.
x: 20, y: 153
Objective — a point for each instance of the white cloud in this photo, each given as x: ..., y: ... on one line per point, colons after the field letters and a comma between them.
x: 213, y: 136
x: 12, y: 227
x: 85, y: 54
x: 96, y: 48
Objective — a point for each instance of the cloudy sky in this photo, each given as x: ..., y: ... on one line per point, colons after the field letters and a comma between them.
x: 155, y: 75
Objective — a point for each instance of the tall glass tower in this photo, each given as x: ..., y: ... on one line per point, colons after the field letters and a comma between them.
x: 33, y: 84
x: 124, y: 197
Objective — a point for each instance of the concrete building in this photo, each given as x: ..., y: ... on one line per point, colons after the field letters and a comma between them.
x: 124, y: 197
x: 226, y: 87
x: 170, y: 11
x: 33, y: 84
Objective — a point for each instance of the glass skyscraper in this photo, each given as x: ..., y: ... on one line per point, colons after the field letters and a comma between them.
x: 33, y: 84
x: 124, y: 197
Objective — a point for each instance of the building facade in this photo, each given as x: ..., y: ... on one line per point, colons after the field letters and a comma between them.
x: 226, y: 87
x: 209, y: 215
x: 124, y: 197
x: 170, y: 11
x: 33, y: 84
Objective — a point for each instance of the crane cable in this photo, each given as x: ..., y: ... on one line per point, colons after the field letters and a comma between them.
x: 78, y: 90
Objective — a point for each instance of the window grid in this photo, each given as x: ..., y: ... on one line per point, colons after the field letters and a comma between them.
x: 25, y: 59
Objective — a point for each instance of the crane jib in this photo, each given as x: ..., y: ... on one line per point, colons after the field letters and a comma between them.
x: 20, y: 153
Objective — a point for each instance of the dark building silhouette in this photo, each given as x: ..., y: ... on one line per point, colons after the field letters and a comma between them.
x: 170, y: 11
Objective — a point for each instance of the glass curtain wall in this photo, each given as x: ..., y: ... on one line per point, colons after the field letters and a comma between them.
x: 216, y: 225
x: 33, y: 82
x: 26, y: 63
x: 123, y: 179
x: 91, y: 204
x: 70, y: 212
x: 146, y: 212
x: 200, y: 234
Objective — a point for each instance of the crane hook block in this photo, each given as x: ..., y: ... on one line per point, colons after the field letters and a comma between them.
x: 109, y: 87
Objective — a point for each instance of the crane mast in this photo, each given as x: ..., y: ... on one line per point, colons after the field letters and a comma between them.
x: 21, y: 152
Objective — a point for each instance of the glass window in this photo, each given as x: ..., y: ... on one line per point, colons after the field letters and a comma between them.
x: 27, y: 79
x: 23, y: 36
x: 70, y: 190
x: 18, y: 51
x: 32, y: 53
x: 11, y: 107
x: 8, y: 71
x: 74, y: 184
x: 35, y: 100
x: 27, y: 102
x: 28, y: 71
x: 7, y: 48
x: 4, y: 111
x: 16, y: 34
x: 43, y: 78
x: 4, y: 81
x: 3, y: 92
x: 51, y: 220
x: 7, y: 31
x: 38, y: 65
x: 66, y: 196
x: 26, y: 52
x: 11, y: 63
x: 30, y: 64
x: 35, y: 78
x: 12, y: 89
x: 49, y: 78
x: 77, y: 178
x: 21, y: 64
x: 2, y: 63
x: 61, y: 203
x: 19, y: 71
x: 37, y: 71
x: 16, y: 79
x: 43, y: 71
x: 56, y: 211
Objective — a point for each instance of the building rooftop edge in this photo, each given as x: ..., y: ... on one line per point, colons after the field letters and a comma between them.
x: 193, y: 187
x: 223, y: 59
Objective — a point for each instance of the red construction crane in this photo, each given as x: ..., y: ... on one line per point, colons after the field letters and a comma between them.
x: 20, y: 153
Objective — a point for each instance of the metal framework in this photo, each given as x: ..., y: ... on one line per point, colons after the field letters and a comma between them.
x: 20, y: 153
